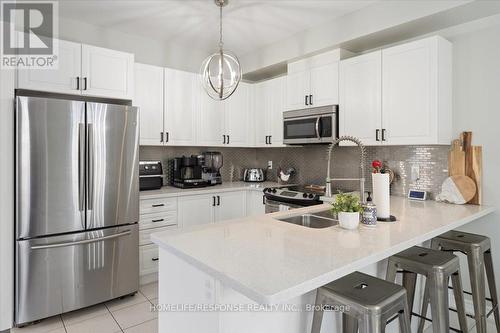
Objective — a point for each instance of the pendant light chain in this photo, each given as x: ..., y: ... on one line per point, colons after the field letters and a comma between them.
x: 221, y: 56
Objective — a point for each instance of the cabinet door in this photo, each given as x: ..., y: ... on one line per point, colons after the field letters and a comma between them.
x: 260, y: 113
x: 325, y: 85
x: 148, y: 96
x: 181, y: 102
x: 232, y: 205
x: 60, y: 80
x: 195, y: 210
x: 255, y: 203
x: 107, y: 73
x: 409, y: 97
x: 210, y: 122
x: 297, y: 87
x: 237, y: 114
x: 276, y: 103
x: 360, y: 97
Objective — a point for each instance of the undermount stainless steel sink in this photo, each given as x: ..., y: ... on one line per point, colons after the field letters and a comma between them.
x: 318, y: 220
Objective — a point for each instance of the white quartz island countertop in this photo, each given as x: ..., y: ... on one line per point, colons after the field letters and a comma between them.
x: 270, y: 261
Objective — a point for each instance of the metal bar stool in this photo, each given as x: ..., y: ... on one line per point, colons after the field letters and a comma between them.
x: 478, y: 251
x: 369, y: 303
x: 437, y: 267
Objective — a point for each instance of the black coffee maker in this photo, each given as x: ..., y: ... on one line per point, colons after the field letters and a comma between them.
x: 187, y: 172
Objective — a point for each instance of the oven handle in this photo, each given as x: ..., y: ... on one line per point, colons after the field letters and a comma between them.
x: 317, y: 127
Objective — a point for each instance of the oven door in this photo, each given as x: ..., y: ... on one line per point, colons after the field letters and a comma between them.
x: 273, y: 206
x: 310, y: 129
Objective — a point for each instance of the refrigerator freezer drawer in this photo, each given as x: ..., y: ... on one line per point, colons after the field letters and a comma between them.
x: 63, y: 273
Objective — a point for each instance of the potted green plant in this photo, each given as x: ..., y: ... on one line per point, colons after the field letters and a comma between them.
x: 347, y: 207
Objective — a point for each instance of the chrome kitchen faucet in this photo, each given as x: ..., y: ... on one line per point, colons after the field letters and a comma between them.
x: 362, y: 158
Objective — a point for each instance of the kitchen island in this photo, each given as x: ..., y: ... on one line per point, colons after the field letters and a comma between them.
x: 259, y: 274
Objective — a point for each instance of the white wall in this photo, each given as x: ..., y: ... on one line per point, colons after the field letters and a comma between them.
x: 476, y: 103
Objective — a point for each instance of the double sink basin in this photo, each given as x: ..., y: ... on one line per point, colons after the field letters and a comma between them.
x: 317, y: 220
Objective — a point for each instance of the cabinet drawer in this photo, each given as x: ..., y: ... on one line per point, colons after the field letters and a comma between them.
x: 162, y: 219
x: 145, y: 235
x: 148, y: 206
x: 148, y: 259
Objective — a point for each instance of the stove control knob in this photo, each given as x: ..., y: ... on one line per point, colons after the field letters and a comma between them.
x: 274, y: 190
x: 304, y: 195
x: 311, y: 196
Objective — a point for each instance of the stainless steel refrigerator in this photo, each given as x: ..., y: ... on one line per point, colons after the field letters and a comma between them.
x: 77, y: 204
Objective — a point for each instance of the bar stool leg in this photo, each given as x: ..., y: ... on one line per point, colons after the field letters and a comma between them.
x: 349, y: 324
x: 404, y: 319
x: 371, y: 324
x: 318, y: 313
x: 456, y: 282
x: 409, y: 282
x: 425, y: 306
x: 391, y: 271
x: 490, y: 273
x: 476, y: 270
x: 438, y: 291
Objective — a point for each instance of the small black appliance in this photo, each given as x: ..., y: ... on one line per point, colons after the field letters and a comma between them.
x: 150, y: 175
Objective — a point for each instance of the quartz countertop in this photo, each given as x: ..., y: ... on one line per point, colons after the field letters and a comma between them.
x: 271, y: 261
x: 170, y: 191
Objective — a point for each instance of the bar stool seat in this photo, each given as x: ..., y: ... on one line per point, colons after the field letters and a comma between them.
x: 369, y: 302
x: 478, y: 251
x: 437, y: 267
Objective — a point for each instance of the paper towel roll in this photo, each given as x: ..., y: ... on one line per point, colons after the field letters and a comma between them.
x: 381, y: 194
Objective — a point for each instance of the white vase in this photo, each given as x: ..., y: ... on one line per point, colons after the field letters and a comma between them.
x: 348, y: 220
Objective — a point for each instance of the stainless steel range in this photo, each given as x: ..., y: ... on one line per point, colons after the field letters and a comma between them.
x: 289, y: 197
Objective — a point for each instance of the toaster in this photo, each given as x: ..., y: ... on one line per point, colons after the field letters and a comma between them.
x: 150, y: 175
x: 254, y: 175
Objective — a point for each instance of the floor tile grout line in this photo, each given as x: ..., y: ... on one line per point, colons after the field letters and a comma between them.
x: 111, y: 313
x: 147, y: 321
x: 64, y: 325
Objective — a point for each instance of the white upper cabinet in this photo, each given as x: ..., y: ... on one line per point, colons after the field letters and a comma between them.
x: 360, y: 109
x: 107, y: 73
x: 148, y: 96
x: 400, y: 95
x: 416, y: 92
x: 182, y: 99
x: 64, y: 79
x: 210, y: 122
x: 269, y: 104
x: 314, y: 81
x: 237, y: 110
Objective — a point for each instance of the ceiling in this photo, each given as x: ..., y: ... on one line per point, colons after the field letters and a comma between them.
x: 248, y: 24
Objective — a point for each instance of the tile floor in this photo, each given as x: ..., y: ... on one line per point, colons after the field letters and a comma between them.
x: 129, y: 315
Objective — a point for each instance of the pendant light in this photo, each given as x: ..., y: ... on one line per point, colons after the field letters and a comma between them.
x: 221, y: 71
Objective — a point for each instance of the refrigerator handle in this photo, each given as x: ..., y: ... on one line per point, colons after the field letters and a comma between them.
x: 81, y: 166
x: 85, y: 241
x: 90, y: 166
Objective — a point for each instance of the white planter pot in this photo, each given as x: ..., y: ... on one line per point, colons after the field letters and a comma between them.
x: 348, y: 220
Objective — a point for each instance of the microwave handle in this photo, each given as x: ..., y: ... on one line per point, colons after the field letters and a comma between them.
x: 318, y: 135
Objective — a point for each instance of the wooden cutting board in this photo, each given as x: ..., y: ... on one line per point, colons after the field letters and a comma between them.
x: 456, y: 159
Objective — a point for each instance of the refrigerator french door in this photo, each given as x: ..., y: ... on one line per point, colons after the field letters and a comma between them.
x: 77, y: 204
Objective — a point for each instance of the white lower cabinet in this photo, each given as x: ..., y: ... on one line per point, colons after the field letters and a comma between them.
x: 255, y: 203
x: 230, y: 205
x: 148, y: 259
x: 196, y: 210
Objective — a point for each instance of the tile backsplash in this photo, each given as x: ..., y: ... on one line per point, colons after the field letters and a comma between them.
x: 430, y: 163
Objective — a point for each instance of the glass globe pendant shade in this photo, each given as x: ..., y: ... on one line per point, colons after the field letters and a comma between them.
x: 221, y: 74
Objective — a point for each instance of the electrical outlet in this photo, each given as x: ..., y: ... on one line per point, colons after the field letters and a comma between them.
x: 270, y: 165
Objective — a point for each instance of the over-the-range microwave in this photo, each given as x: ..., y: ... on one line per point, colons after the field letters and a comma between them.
x: 313, y: 125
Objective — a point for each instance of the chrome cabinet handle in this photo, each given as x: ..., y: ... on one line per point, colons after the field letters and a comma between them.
x: 377, y: 135
x: 85, y: 241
